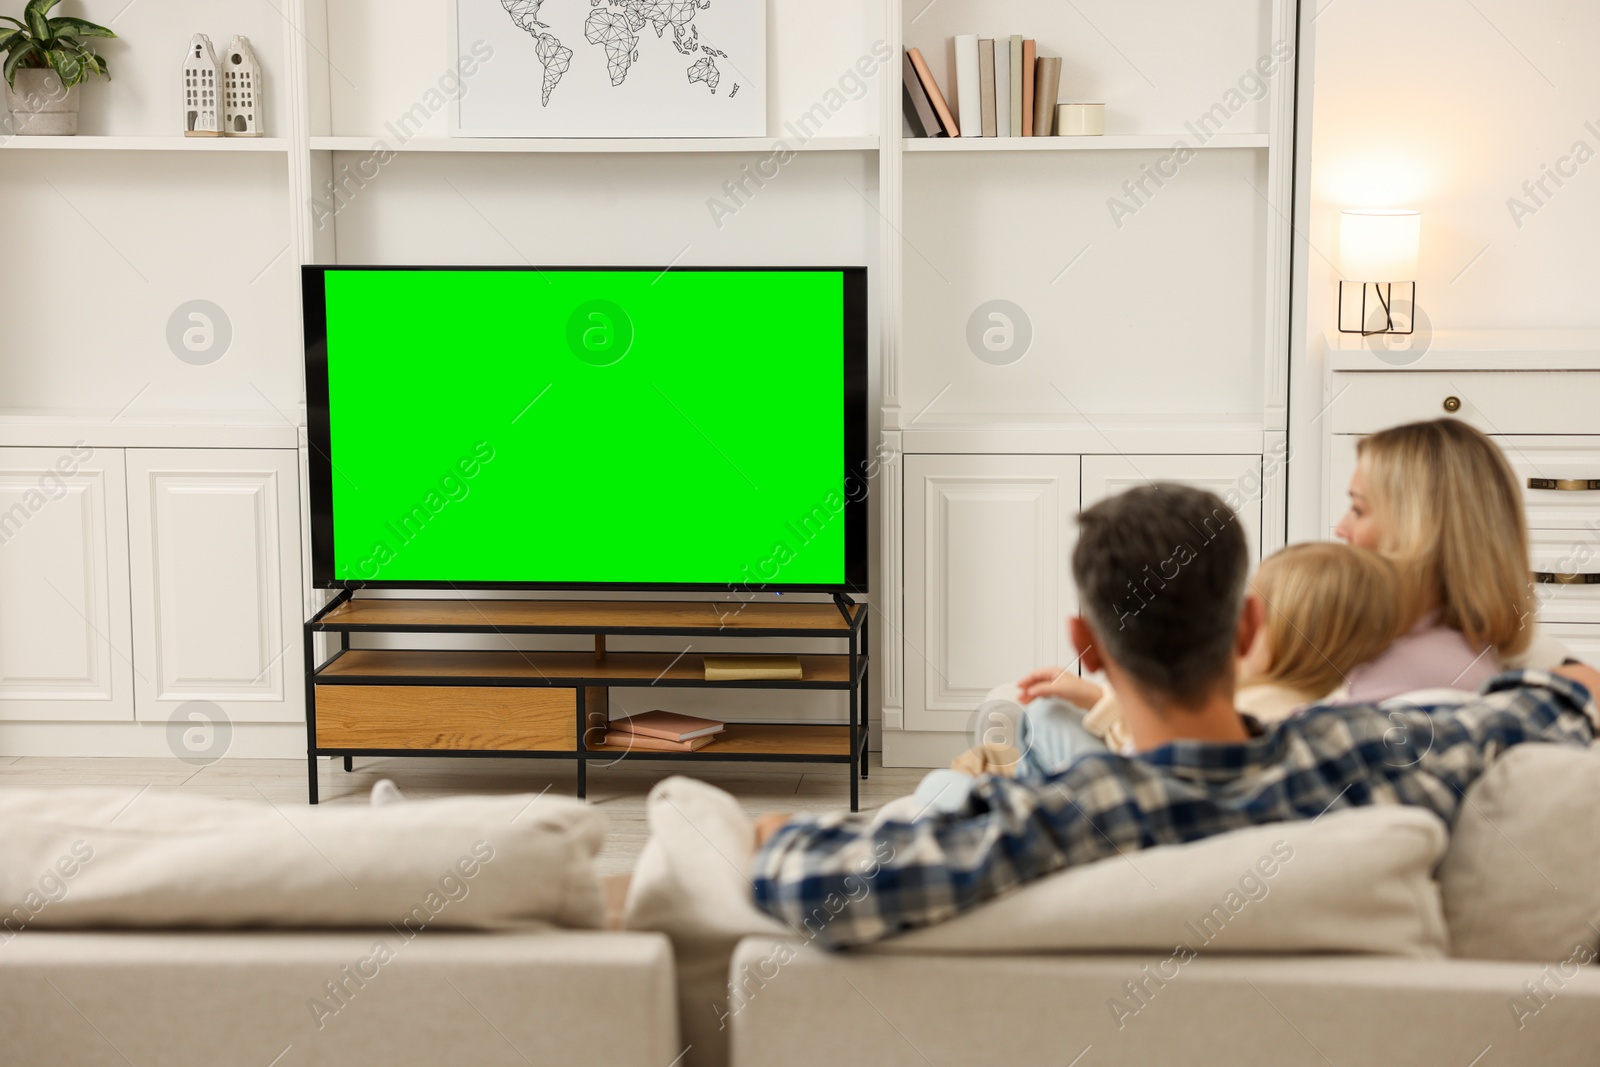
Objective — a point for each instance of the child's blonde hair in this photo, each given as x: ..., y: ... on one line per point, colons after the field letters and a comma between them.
x: 1450, y: 510
x: 1329, y: 607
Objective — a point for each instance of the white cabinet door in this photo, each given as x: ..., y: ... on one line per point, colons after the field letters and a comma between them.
x: 1236, y: 479
x: 988, y: 580
x: 65, y: 649
x: 215, y: 547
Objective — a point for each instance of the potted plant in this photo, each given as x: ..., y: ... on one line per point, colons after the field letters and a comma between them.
x: 46, y: 60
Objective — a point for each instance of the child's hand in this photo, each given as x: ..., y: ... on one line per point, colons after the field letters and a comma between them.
x: 1059, y: 682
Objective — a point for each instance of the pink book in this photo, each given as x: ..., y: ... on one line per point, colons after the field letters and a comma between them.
x: 667, y: 725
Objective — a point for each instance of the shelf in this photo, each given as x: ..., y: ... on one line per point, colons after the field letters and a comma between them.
x: 569, y: 145
x: 106, y: 428
x: 564, y: 669
x: 1109, y: 143
x: 755, y: 739
x: 176, y: 143
x: 588, y: 617
x: 1461, y: 350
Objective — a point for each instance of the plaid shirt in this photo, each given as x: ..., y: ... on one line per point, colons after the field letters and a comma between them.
x: 851, y: 880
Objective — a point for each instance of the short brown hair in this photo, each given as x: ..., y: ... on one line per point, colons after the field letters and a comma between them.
x: 1329, y: 607
x: 1160, y: 571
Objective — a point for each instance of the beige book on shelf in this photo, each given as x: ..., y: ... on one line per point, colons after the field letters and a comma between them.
x: 750, y: 668
x: 986, y: 84
x: 1014, y: 69
x: 1047, y: 86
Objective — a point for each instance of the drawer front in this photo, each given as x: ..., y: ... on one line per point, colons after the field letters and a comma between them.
x: 430, y: 718
x: 1557, y: 552
x: 1496, y: 402
x: 1570, y: 465
x: 1583, y: 642
x: 1567, y: 469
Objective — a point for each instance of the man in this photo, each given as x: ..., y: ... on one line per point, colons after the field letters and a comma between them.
x: 1161, y: 573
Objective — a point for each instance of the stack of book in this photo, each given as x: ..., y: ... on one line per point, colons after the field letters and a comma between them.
x: 662, y: 731
x: 1003, y: 88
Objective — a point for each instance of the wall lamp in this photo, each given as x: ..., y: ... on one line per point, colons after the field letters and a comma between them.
x: 1377, y: 251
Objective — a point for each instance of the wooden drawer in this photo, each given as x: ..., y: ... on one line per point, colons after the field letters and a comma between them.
x: 432, y: 717
x: 1496, y: 402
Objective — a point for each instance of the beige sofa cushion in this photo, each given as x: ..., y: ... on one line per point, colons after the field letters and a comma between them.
x: 332, y: 998
x: 125, y: 858
x: 1521, y: 880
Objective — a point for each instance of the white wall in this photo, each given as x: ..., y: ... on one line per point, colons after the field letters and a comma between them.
x: 1449, y: 107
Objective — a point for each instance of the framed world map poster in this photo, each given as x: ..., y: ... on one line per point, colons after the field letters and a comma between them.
x: 612, y: 68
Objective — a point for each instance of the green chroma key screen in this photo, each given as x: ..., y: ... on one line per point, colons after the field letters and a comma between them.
x: 583, y: 427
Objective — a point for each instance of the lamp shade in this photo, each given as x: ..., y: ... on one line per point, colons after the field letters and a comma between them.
x: 1379, y: 245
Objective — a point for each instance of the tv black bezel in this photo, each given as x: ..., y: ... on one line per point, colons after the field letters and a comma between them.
x: 855, y: 478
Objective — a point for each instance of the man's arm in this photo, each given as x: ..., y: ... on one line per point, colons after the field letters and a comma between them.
x: 851, y: 880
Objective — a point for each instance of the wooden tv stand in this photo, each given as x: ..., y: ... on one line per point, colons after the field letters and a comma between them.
x: 555, y: 705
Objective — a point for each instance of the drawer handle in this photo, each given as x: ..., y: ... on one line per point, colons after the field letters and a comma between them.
x: 1558, y: 578
x: 1566, y: 485
x: 1452, y: 404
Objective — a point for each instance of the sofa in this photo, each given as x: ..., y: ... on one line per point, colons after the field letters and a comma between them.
x: 1376, y: 936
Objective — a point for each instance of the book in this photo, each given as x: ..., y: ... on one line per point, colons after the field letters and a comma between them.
x: 986, y: 84
x: 969, y: 98
x: 645, y: 743
x: 1015, y: 70
x: 1030, y: 56
x: 1047, y: 86
x: 915, y: 103
x: 935, y: 97
x: 668, y: 725
x: 1002, y: 89
x: 743, y: 668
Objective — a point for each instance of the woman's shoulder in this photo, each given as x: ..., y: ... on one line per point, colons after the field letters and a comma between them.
x: 1429, y: 656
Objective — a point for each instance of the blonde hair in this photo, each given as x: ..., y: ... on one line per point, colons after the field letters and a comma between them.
x: 1329, y: 607
x: 1449, y: 512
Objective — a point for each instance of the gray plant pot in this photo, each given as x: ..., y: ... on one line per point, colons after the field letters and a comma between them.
x: 40, y: 106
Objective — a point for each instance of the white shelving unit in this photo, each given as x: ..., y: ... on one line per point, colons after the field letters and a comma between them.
x: 1155, y: 342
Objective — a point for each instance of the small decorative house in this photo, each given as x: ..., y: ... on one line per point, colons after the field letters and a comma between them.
x: 202, y: 117
x: 241, y: 86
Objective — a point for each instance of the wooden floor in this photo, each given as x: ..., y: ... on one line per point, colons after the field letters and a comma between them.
x: 618, y: 791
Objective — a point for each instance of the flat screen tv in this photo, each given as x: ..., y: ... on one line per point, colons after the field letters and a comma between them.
x: 587, y: 428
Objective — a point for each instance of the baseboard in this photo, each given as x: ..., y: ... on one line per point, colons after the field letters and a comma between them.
x: 923, y: 748
x: 249, y: 740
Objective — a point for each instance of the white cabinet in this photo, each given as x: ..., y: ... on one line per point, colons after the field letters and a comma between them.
x: 65, y: 649
x: 215, y: 543
x: 988, y: 579
x: 988, y: 562
x: 1236, y: 479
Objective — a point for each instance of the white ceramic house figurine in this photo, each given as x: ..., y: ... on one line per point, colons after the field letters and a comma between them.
x: 241, y: 86
x: 202, y: 117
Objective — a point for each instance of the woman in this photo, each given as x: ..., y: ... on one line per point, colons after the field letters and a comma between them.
x: 1440, y: 501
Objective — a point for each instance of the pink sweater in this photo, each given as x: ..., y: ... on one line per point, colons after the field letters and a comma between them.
x: 1428, y: 656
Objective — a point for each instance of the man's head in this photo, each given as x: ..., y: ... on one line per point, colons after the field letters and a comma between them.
x: 1161, y: 575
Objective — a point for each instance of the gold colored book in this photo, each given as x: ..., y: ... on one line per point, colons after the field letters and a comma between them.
x: 748, y: 668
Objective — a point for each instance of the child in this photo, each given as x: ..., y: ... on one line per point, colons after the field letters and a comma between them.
x: 1326, y: 608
